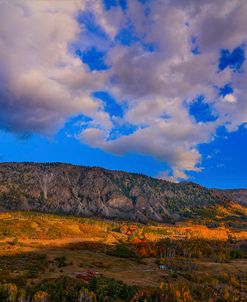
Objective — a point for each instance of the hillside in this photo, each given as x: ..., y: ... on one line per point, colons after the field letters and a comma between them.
x: 91, y: 191
x: 238, y: 195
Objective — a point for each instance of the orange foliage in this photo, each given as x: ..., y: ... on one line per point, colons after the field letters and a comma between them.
x: 41, y: 296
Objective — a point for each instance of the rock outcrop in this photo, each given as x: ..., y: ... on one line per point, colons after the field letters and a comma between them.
x: 91, y: 191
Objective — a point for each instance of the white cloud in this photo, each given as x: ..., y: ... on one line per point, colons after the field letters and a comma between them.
x: 230, y: 98
x: 166, y: 176
x: 42, y: 83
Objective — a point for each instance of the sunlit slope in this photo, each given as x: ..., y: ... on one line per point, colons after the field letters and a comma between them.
x: 44, y: 227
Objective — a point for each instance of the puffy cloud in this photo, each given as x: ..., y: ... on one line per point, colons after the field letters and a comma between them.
x: 158, y: 83
x: 41, y: 82
x: 154, y: 78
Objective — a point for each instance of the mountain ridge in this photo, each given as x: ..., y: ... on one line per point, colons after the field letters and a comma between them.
x: 95, y: 191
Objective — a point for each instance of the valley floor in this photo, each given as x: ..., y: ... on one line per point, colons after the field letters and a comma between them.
x: 171, y: 260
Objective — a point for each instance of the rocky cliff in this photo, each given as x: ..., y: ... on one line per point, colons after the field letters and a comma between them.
x: 91, y: 191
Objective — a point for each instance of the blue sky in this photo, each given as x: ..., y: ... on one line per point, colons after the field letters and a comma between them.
x: 109, y: 84
x: 224, y: 159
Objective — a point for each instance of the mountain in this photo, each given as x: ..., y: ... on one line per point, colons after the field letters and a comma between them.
x: 92, y: 191
x: 238, y: 195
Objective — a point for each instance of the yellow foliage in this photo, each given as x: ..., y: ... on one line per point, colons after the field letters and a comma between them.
x: 41, y: 296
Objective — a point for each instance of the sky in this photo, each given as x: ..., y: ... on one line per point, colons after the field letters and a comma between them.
x: 148, y: 86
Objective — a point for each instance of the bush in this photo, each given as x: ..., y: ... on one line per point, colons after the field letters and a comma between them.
x: 61, y: 261
x: 236, y: 254
x: 111, y: 290
x: 122, y: 250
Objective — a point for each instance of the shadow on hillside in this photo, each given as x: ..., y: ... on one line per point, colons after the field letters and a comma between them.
x: 29, y: 261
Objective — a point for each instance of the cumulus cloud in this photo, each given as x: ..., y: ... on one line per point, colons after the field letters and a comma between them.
x: 154, y: 78
x: 41, y: 82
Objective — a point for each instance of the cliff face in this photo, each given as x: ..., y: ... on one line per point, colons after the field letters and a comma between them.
x: 79, y: 190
